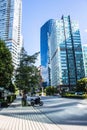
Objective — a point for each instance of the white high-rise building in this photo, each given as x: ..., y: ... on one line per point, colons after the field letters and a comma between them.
x: 10, y: 27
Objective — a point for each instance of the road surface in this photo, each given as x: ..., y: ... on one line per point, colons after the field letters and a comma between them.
x: 65, y: 111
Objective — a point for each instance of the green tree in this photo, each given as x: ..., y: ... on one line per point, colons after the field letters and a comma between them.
x: 6, y: 67
x: 12, y: 87
x: 82, y: 85
x: 50, y: 90
x: 27, y: 74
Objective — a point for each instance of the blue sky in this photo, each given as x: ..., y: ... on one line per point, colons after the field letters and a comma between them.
x: 37, y: 12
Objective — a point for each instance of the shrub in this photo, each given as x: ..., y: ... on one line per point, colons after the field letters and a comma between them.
x: 50, y: 90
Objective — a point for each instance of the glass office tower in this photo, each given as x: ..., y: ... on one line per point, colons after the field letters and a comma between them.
x: 64, y: 53
x: 44, y: 50
x: 85, y: 58
x: 10, y: 27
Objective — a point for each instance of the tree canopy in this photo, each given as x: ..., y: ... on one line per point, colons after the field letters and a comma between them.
x: 82, y: 85
x: 27, y: 74
x: 6, y: 67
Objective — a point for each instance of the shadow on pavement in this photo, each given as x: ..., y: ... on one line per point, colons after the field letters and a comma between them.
x: 36, y: 113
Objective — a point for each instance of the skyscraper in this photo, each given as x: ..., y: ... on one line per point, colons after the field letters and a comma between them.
x: 65, y: 53
x: 44, y: 49
x: 85, y: 58
x: 10, y: 27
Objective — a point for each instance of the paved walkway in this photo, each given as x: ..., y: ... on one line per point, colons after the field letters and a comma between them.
x: 17, y: 117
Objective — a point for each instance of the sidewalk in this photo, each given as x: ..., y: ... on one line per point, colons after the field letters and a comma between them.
x: 17, y: 117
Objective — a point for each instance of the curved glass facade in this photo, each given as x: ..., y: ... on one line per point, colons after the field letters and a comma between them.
x: 44, y: 49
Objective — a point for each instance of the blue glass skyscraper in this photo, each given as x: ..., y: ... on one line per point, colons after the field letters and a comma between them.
x: 65, y: 58
x: 44, y: 47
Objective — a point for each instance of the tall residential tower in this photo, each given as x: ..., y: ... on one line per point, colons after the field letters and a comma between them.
x: 10, y: 27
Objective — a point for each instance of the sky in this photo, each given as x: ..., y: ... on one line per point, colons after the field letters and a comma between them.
x: 36, y: 12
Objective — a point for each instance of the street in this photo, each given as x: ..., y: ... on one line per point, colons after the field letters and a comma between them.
x: 65, y: 111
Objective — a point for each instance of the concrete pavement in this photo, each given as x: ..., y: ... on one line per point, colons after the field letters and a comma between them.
x: 17, y: 117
